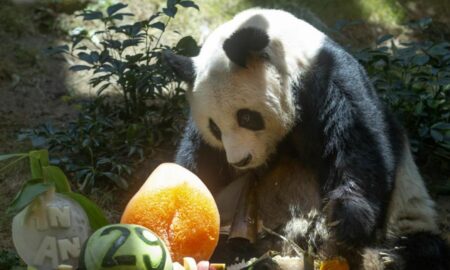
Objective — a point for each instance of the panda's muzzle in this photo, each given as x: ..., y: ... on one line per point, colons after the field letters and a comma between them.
x: 244, y: 162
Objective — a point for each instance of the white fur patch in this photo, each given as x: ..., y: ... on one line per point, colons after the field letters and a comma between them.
x: 221, y: 88
x: 411, y: 209
x: 374, y: 259
x: 293, y: 42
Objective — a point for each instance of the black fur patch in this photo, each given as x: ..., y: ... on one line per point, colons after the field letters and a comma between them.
x: 342, y: 133
x: 242, y: 42
x: 215, y: 130
x: 353, y: 215
x: 210, y: 164
x: 250, y: 119
x: 424, y: 251
x: 181, y: 65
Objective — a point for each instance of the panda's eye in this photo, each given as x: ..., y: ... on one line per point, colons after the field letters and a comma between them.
x: 215, y: 130
x: 250, y: 119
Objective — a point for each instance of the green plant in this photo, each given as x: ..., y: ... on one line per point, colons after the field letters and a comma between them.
x: 113, y: 131
x: 8, y: 259
x: 414, y: 79
x: 127, y: 57
x: 102, y: 145
x: 43, y: 178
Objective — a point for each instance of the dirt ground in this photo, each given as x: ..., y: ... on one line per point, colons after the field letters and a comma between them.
x: 35, y: 89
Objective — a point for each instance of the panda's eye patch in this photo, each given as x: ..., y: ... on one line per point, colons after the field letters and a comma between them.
x: 215, y: 130
x: 250, y: 119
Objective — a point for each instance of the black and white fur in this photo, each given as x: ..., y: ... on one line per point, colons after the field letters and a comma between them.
x: 273, y: 97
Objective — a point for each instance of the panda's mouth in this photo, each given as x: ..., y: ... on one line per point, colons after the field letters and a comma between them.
x: 242, y: 164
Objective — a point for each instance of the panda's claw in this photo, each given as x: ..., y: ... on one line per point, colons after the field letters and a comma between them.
x: 334, y: 223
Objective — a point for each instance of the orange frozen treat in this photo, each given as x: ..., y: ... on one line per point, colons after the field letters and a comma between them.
x: 176, y: 205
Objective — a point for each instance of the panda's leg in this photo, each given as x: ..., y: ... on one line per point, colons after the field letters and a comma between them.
x: 412, y: 238
x: 352, y: 216
x: 423, y: 250
x: 381, y: 259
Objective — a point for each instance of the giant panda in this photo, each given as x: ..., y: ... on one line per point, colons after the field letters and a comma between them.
x: 273, y: 98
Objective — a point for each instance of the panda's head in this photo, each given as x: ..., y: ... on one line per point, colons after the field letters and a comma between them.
x: 240, y: 89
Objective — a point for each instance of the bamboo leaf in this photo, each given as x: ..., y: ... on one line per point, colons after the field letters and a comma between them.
x: 9, y: 156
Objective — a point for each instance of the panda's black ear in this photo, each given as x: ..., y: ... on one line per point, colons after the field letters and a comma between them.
x: 245, y: 40
x: 181, y: 65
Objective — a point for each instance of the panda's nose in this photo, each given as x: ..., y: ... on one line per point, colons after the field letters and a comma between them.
x: 245, y: 161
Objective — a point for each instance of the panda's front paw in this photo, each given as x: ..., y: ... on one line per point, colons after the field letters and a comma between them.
x: 379, y: 259
x: 351, y: 220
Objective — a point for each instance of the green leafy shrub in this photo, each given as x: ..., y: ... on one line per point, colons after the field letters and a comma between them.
x: 112, y: 131
x: 414, y: 79
x: 8, y: 259
x: 129, y: 56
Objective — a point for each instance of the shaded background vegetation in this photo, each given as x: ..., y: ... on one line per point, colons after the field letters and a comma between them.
x: 108, y: 146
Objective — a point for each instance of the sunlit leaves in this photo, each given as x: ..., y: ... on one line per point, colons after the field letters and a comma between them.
x: 89, y: 15
x: 158, y: 25
x: 114, y: 8
x: 79, y: 67
x: 123, y: 57
x: 189, y: 4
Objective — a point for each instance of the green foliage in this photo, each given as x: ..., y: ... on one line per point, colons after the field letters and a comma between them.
x: 414, y: 79
x: 45, y: 178
x: 8, y: 259
x: 13, y: 20
x: 30, y: 191
x: 113, y: 131
x: 126, y: 56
